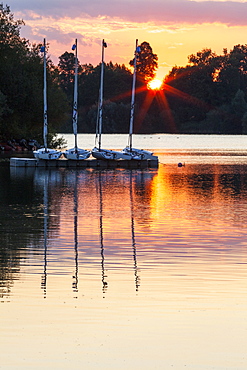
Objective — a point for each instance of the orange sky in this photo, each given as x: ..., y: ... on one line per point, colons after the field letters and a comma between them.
x: 174, y: 28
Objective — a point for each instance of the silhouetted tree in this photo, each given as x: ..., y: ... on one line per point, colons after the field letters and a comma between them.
x: 66, y: 66
x: 9, y: 27
x: 21, y: 83
x: 212, y: 89
x: 147, y: 62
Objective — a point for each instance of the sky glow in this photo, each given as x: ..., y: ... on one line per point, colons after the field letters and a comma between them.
x: 174, y: 28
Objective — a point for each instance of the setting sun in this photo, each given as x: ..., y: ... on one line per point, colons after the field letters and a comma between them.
x: 155, y: 84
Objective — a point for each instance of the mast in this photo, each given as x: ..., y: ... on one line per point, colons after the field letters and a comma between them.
x: 132, y: 110
x: 104, y: 45
x: 45, y: 129
x: 75, y: 112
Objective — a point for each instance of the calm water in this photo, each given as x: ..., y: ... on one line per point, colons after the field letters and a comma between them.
x: 124, y: 269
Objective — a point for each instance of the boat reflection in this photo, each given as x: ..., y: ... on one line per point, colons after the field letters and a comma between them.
x: 62, y: 198
x: 46, y: 181
x: 136, y: 180
x: 52, y: 179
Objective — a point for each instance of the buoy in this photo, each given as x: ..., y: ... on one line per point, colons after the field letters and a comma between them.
x: 181, y: 164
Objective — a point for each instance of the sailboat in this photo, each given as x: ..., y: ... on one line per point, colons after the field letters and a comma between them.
x: 97, y: 151
x: 137, y: 154
x: 76, y: 153
x: 46, y: 153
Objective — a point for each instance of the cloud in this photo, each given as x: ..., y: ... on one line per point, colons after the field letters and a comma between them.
x: 55, y: 33
x: 231, y: 13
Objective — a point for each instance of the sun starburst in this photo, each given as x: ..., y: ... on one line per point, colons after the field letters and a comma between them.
x: 155, y: 84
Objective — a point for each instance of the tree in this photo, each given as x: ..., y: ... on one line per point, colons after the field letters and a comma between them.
x: 203, y: 57
x: 232, y: 74
x: 115, y: 115
x: 118, y: 80
x: 244, y: 124
x: 21, y: 81
x: 146, y: 63
x: 66, y: 68
x: 9, y: 28
x: 117, y: 89
x: 3, y: 106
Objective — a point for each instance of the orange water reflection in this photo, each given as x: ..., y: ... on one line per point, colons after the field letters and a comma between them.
x: 111, y: 217
x: 170, y: 202
x: 135, y: 267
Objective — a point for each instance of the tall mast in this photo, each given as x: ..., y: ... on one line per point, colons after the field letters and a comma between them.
x: 132, y: 110
x: 45, y: 129
x: 104, y: 45
x: 75, y: 112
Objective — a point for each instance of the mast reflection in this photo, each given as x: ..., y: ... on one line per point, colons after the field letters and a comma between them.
x: 75, y: 276
x: 104, y: 282
x: 137, y: 278
x: 46, y: 215
x: 47, y: 181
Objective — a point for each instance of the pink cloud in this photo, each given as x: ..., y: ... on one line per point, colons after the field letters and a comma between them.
x: 161, y: 11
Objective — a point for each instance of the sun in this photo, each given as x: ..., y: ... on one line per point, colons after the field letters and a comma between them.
x: 154, y: 84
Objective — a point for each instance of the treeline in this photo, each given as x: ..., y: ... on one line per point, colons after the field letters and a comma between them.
x: 209, y: 95
x: 206, y: 96
x: 21, y: 85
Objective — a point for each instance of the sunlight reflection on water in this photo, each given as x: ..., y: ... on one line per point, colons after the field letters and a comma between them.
x: 125, y: 269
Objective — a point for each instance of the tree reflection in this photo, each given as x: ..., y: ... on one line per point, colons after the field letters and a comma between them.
x: 143, y: 191
x: 34, y: 205
x: 20, y: 224
x: 24, y: 223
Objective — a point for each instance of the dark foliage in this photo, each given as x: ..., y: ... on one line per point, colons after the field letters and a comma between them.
x: 21, y: 85
x: 209, y: 95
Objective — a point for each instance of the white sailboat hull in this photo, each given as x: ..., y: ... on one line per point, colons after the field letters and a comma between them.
x: 76, y: 154
x: 107, y: 154
x: 139, y: 154
x: 47, y: 154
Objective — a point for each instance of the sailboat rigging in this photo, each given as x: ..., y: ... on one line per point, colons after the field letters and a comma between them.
x: 46, y: 153
x: 137, y: 154
x: 97, y: 151
x: 76, y: 153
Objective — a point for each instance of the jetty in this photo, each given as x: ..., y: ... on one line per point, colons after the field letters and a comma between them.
x: 87, y: 163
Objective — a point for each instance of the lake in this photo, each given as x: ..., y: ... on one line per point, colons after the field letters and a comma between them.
x: 127, y: 269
